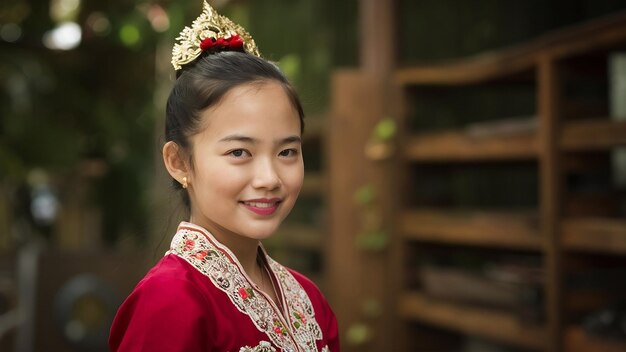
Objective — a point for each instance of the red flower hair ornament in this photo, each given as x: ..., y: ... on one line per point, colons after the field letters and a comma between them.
x: 233, y: 43
x: 210, y: 32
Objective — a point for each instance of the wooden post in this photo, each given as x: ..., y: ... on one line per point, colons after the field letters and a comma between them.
x: 377, y: 40
x: 360, y: 99
x: 355, y: 276
x: 549, y: 93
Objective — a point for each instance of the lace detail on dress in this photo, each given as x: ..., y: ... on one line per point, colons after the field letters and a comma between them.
x: 263, y: 346
x: 221, y: 267
x: 299, y: 308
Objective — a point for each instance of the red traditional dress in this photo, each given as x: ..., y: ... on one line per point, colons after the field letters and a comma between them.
x: 198, y: 298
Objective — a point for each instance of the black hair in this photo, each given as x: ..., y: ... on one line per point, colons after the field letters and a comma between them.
x: 203, y: 83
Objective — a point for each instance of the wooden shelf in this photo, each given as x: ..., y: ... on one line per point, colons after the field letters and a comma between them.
x: 596, y: 35
x: 552, y: 66
x: 313, y: 184
x: 603, y: 235
x: 488, y: 323
x: 461, y: 146
x: 479, y: 69
x: 593, y: 134
x: 577, y: 340
x: 492, y: 229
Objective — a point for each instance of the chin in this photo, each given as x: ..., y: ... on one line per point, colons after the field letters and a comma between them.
x: 261, y: 234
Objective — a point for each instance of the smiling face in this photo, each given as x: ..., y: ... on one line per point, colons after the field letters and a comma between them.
x: 247, y: 166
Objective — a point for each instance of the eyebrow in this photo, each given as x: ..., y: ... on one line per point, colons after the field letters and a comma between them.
x: 250, y: 140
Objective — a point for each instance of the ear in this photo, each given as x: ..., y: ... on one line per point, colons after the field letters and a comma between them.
x: 175, y: 162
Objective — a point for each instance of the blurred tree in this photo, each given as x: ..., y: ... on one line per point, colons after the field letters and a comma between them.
x: 61, y: 109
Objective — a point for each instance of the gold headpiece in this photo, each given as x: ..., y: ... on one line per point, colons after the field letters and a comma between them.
x: 211, y: 31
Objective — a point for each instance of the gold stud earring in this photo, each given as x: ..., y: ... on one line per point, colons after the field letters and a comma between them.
x: 185, y: 184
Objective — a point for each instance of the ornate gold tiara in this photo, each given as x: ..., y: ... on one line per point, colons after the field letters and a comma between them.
x: 211, y: 32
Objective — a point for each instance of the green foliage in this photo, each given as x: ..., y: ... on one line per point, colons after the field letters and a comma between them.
x: 372, y: 241
x: 364, y: 195
x: 358, y: 334
x: 385, y: 130
x: 58, y: 108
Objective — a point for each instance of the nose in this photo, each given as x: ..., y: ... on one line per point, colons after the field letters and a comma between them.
x: 266, y: 175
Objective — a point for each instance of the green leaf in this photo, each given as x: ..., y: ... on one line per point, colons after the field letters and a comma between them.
x: 358, y: 334
x: 385, y: 130
x: 364, y: 195
x: 130, y: 35
x: 372, y: 241
x: 290, y: 64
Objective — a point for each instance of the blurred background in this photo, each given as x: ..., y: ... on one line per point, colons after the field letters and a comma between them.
x: 465, y: 170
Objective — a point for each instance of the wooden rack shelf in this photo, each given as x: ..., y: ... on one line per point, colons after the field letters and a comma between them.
x: 460, y: 146
x: 489, y: 323
x: 479, y: 69
x: 546, y: 140
x: 515, y: 61
x: 593, y: 134
x: 472, y: 228
x: 595, y: 235
x: 577, y: 340
x: 517, y: 106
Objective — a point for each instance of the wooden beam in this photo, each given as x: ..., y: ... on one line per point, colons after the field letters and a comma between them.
x: 593, y: 134
x: 460, y: 146
x: 595, y: 35
x: 478, y: 69
x: 490, y: 323
x: 549, y: 94
x: 602, y: 235
x: 356, y: 275
x: 506, y: 230
x: 377, y: 39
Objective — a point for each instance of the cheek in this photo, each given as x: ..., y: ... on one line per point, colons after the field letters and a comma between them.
x: 294, y: 177
x: 218, y: 179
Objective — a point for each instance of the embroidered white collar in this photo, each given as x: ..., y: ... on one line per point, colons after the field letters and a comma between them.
x: 296, y: 330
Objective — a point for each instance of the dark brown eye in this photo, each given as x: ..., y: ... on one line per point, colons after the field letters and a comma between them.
x: 239, y: 153
x: 288, y: 152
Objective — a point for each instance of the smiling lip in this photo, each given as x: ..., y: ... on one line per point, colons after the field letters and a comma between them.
x: 262, y: 206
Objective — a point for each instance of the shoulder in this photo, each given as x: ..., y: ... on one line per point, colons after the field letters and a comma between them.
x: 171, y: 272
x: 166, y: 303
x: 170, y: 284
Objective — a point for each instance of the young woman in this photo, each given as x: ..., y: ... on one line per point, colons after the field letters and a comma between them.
x: 233, y: 130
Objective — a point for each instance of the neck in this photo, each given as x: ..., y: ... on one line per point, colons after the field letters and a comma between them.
x: 246, y: 253
x: 245, y: 249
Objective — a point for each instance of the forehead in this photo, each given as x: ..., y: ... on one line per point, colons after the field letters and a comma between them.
x: 259, y: 108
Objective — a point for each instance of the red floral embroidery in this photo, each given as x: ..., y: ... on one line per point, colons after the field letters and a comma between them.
x: 234, y: 42
x: 189, y: 244
x: 212, y: 263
